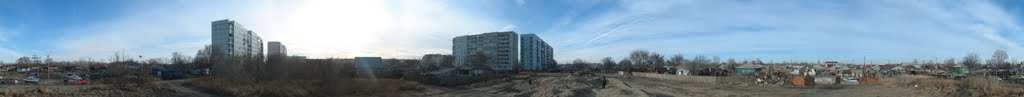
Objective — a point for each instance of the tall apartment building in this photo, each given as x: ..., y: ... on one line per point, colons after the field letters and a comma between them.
x: 276, y: 49
x: 535, y: 52
x: 232, y: 40
x: 501, y: 49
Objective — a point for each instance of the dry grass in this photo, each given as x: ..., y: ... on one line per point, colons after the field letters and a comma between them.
x: 977, y: 86
x: 980, y: 86
x: 308, y: 88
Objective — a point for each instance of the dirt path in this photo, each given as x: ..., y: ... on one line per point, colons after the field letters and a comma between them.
x: 187, y: 92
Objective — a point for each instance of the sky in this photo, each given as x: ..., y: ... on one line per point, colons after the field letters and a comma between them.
x: 876, y: 31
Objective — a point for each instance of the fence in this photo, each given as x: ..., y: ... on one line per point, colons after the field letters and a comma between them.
x: 705, y: 79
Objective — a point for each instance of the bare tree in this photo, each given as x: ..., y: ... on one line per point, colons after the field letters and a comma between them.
x: 999, y: 59
x: 24, y: 60
x: 608, y: 63
x: 479, y: 60
x: 658, y: 61
x: 640, y: 58
x: 646, y: 60
x: 203, y: 58
x: 950, y: 62
x: 971, y: 60
x: 676, y: 60
x: 626, y: 65
x: 580, y: 65
x: 154, y: 61
x: 731, y: 65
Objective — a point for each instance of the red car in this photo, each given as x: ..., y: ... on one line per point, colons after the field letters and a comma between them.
x: 78, y: 82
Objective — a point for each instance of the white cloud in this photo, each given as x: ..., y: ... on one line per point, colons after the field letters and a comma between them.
x: 148, y: 30
x: 901, y: 29
x: 315, y: 28
x: 401, y: 29
x: 520, y: 2
x: 508, y: 28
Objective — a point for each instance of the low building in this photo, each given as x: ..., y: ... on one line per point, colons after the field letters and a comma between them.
x: 680, y: 70
x: 747, y: 68
x: 960, y: 69
x: 458, y: 76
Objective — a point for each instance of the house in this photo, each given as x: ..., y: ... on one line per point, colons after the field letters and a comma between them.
x: 897, y: 68
x: 747, y: 68
x: 680, y: 70
x: 443, y: 77
x: 818, y: 67
x: 960, y: 69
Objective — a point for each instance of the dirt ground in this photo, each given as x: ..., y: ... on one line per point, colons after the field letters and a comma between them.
x: 171, y: 88
x: 543, y: 85
x: 670, y: 88
x: 566, y: 85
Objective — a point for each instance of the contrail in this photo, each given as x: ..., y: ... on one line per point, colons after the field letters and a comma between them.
x: 605, y: 34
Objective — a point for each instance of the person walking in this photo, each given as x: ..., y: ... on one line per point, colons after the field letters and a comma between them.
x: 604, y: 82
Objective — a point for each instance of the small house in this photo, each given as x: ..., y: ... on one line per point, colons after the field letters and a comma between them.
x: 680, y: 70
x: 747, y: 68
x: 960, y: 69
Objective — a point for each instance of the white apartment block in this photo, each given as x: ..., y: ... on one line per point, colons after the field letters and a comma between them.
x: 276, y: 49
x: 232, y: 40
x: 502, y: 49
x: 535, y: 52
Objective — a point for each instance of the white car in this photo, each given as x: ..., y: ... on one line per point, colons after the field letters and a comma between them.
x: 31, y: 79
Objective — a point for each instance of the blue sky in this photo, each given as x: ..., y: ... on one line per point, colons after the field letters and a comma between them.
x: 800, y: 30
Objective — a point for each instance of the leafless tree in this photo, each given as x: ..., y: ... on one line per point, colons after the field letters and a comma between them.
x: 608, y: 63
x: 626, y: 65
x: 24, y: 60
x: 999, y: 59
x: 479, y: 60
x: 580, y: 65
x: 971, y: 60
x: 950, y: 62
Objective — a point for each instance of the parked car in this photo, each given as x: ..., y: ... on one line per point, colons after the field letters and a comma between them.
x: 78, y: 82
x: 74, y: 80
x: 31, y: 79
x: 9, y: 81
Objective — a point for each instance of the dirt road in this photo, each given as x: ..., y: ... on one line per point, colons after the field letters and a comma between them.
x: 185, y: 91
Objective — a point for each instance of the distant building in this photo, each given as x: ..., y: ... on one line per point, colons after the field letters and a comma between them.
x: 438, y: 60
x: 829, y: 64
x: 367, y: 67
x: 747, y: 68
x: 500, y: 48
x: 230, y: 39
x: 369, y: 62
x: 535, y: 52
x: 276, y: 49
x: 296, y: 57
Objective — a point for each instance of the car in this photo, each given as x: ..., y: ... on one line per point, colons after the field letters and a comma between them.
x: 74, y: 80
x: 9, y: 81
x: 78, y: 82
x: 31, y: 79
